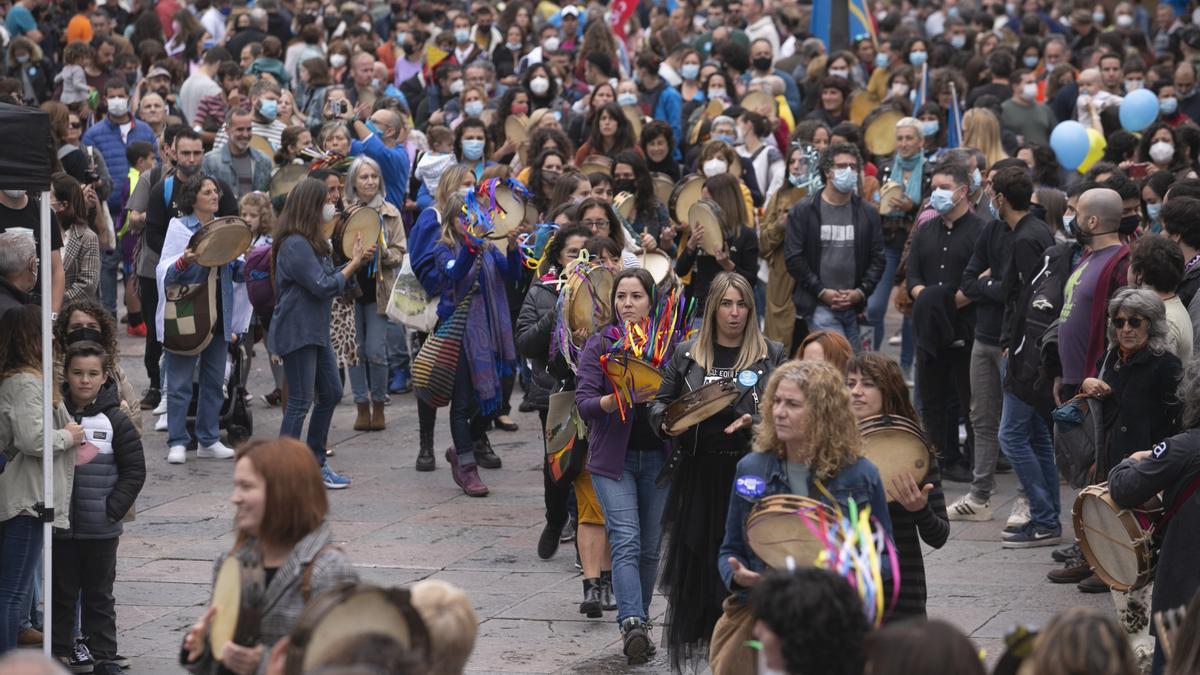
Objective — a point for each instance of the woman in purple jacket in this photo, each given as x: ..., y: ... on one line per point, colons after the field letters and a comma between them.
x: 625, y: 458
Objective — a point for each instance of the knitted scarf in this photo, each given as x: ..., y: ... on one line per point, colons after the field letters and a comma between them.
x: 488, y: 341
x: 914, y: 164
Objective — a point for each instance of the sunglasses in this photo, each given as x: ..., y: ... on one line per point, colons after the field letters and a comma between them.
x: 1134, y: 322
x: 75, y: 125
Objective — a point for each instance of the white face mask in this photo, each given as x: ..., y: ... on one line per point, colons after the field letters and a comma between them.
x: 337, y: 60
x: 840, y: 73
x: 118, y: 106
x: 1029, y: 91
x: 539, y: 86
x: 715, y: 167
x: 551, y: 44
x: 1162, y: 152
x: 14, y: 194
x: 899, y: 89
x: 328, y: 212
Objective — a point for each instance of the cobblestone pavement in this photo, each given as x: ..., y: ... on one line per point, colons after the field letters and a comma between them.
x: 399, y: 526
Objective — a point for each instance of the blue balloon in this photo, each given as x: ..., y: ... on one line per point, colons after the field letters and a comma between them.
x: 1070, y: 143
x: 1139, y: 110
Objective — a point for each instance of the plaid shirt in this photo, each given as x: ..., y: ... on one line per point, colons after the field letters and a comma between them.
x: 81, y: 264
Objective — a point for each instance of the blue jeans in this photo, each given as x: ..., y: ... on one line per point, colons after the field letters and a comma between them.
x: 1026, y: 442
x: 633, y: 508
x: 20, y: 546
x: 844, y: 321
x: 397, y: 345
x: 371, y: 371
x: 311, y: 371
x: 178, y: 371
x: 877, y: 306
x: 110, y: 262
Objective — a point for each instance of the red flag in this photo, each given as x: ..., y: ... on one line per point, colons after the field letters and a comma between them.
x: 621, y: 11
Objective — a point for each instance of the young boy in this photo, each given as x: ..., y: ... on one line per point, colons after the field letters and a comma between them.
x: 109, y: 472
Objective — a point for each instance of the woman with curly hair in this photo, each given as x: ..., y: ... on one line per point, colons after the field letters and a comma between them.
x: 808, y: 437
x: 87, y: 321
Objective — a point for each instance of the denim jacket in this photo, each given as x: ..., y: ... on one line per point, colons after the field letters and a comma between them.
x: 859, y: 481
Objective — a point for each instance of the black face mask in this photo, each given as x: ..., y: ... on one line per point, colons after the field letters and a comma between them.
x: 762, y: 64
x: 409, y: 48
x: 626, y: 185
x: 85, y: 334
x: 331, y: 22
x: 1129, y: 225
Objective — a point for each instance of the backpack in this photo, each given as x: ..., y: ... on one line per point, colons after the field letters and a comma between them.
x: 259, y: 285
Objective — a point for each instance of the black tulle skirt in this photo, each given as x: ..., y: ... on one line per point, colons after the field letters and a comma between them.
x: 693, y: 527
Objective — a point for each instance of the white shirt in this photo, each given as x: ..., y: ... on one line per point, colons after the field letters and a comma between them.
x: 214, y: 24
x: 194, y: 89
x: 1179, y: 329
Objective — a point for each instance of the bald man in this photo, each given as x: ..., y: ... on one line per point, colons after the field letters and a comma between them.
x: 381, y: 139
x: 1100, y: 273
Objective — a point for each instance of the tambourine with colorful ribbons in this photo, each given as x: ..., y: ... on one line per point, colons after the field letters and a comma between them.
x: 633, y: 362
x: 532, y: 245
x: 584, y: 305
x: 504, y: 200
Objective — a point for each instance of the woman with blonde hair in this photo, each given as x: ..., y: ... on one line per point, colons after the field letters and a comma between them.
x: 369, y: 377
x: 981, y: 130
x: 728, y: 345
x: 807, y: 438
x: 739, y: 253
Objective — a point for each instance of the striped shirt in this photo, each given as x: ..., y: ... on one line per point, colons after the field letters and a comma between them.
x: 930, y: 524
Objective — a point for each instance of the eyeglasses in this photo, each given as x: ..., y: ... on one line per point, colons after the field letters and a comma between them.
x: 846, y: 165
x: 1134, y: 322
x: 75, y: 125
x: 602, y: 222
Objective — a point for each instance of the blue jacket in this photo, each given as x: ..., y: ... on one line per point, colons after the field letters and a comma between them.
x: 105, y: 136
x: 219, y: 163
x: 670, y: 110
x: 859, y: 481
x: 305, y: 288
x: 195, y: 273
x: 421, y: 240
x: 451, y: 268
x: 393, y: 162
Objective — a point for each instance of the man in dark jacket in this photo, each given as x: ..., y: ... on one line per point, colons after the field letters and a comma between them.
x: 834, y: 248
x: 943, y: 316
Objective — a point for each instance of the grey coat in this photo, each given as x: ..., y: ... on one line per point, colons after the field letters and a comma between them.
x: 283, y: 602
x: 533, y: 337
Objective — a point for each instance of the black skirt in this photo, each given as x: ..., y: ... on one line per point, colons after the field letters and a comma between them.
x: 694, y: 526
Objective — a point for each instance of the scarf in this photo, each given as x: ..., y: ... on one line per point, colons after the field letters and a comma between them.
x: 488, y: 340
x: 914, y: 164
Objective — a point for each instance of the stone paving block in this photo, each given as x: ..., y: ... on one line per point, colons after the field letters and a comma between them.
x: 968, y: 619
x: 191, y: 506
x: 164, y: 594
x: 522, y: 583
x: 514, y: 646
x: 132, y: 616
x: 391, y: 576
x: 170, y: 571
x: 406, y: 554
x: 455, y: 513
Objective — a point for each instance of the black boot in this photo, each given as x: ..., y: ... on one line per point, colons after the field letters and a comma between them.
x: 548, y: 542
x: 485, y: 456
x: 591, y: 599
x: 425, y: 460
x: 606, y: 593
x: 637, y: 640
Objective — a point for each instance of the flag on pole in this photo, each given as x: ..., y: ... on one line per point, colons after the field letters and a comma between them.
x: 840, y: 30
x: 954, y: 120
x: 922, y: 89
x: 620, y: 11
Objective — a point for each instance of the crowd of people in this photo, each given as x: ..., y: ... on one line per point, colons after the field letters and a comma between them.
x: 733, y: 198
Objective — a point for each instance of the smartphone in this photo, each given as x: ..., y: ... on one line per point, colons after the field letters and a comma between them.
x: 1138, y: 170
x: 340, y: 107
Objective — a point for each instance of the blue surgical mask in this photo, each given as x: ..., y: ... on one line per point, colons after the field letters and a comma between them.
x: 881, y: 60
x: 845, y: 180
x: 1030, y: 61
x: 796, y: 179
x: 627, y: 98
x: 942, y: 200
x: 930, y: 128
x: 268, y: 108
x: 370, y: 125
x: 690, y: 71
x: 472, y: 149
x: 1153, y: 210
x: 958, y: 41
x: 461, y: 35
x: 976, y: 179
x: 918, y: 58
x: 23, y: 58
x: 992, y: 210
x: 1069, y: 225
x: 513, y: 46
x: 473, y: 108
x: 732, y: 140
x: 1168, y: 105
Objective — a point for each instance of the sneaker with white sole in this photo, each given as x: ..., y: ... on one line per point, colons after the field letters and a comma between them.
x: 161, y: 408
x: 332, y: 480
x: 1031, y: 536
x: 895, y: 340
x: 217, y: 450
x: 160, y: 424
x: 967, y: 507
x: 1019, y: 517
x: 177, y: 454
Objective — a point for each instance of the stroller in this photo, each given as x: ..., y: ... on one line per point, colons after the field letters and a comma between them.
x: 236, y: 419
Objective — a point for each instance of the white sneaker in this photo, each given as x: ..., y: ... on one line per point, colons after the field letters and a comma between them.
x: 160, y: 424
x: 1019, y: 516
x: 161, y: 409
x: 177, y: 454
x: 217, y: 450
x: 895, y: 340
x: 967, y: 507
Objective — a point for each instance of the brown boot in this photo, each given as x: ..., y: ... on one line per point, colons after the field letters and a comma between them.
x: 377, y: 421
x: 363, y: 421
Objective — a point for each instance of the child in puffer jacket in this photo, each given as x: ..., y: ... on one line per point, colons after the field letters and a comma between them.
x: 109, y: 473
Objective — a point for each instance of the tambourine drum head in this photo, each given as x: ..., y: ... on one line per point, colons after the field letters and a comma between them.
x: 880, y: 131
x: 890, y: 195
x: 862, y: 102
x: 895, y: 451
x: 596, y: 164
x: 635, y: 378
x: 685, y: 194
x: 363, y: 220
x: 262, y: 145
x: 591, y: 295
x: 634, y: 115
x: 658, y: 264
x: 776, y: 531
x: 367, y: 610
x: 558, y: 420
x: 221, y: 241
x: 663, y: 186
x: 286, y: 178
x: 514, y: 128
x: 512, y: 215
x: 708, y: 214
x: 759, y: 102
x: 624, y: 205
x: 1109, y: 540
x: 700, y: 405
x: 227, y: 598
x: 531, y: 214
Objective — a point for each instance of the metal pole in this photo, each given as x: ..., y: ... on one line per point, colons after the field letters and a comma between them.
x: 45, y: 274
